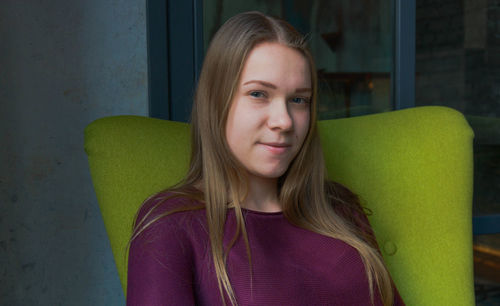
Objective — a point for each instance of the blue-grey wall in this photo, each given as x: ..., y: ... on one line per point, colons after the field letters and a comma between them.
x: 63, y: 64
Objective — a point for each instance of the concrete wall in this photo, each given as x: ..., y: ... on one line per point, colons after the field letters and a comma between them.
x: 63, y: 64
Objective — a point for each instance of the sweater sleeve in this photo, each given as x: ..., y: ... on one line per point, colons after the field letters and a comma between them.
x: 160, y: 263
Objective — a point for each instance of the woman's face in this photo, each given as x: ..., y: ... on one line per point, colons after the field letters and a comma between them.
x: 269, y: 116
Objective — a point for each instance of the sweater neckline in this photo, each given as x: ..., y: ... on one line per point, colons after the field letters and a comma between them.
x: 261, y: 213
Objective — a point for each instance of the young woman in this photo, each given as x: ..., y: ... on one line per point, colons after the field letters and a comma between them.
x: 255, y: 221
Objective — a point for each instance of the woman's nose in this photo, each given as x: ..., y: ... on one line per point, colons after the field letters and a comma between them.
x: 279, y: 116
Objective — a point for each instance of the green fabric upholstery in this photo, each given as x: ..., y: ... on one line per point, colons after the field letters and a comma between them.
x: 412, y: 168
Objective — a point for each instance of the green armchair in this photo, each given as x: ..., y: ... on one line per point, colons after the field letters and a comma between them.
x: 412, y: 168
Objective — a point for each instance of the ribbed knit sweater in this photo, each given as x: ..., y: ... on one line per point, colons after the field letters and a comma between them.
x: 170, y: 263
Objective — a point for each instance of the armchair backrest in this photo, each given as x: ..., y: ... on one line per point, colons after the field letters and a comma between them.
x: 412, y: 168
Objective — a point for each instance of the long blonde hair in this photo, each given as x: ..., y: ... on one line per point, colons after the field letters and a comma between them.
x: 308, y: 199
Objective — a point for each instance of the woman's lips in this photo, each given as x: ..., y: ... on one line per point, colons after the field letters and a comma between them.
x: 276, y: 148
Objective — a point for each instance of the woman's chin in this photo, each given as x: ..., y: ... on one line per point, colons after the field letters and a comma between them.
x: 274, y: 173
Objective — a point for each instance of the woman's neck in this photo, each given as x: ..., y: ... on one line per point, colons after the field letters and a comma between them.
x: 262, y: 195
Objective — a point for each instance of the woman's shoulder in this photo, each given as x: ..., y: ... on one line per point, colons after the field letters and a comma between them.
x: 345, y: 202
x: 171, y: 200
x: 169, y: 208
x: 163, y: 247
x: 348, y: 206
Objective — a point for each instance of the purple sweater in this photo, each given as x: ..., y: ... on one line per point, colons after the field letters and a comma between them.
x: 170, y: 263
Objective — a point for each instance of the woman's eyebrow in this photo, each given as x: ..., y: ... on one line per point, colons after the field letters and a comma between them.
x: 270, y: 85
x: 267, y: 84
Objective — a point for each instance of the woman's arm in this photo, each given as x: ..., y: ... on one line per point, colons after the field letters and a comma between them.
x: 160, y: 264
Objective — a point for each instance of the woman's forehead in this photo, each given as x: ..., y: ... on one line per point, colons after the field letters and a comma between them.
x: 276, y: 64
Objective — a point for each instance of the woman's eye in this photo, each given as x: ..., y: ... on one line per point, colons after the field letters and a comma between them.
x: 299, y: 100
x: 257, y: 94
